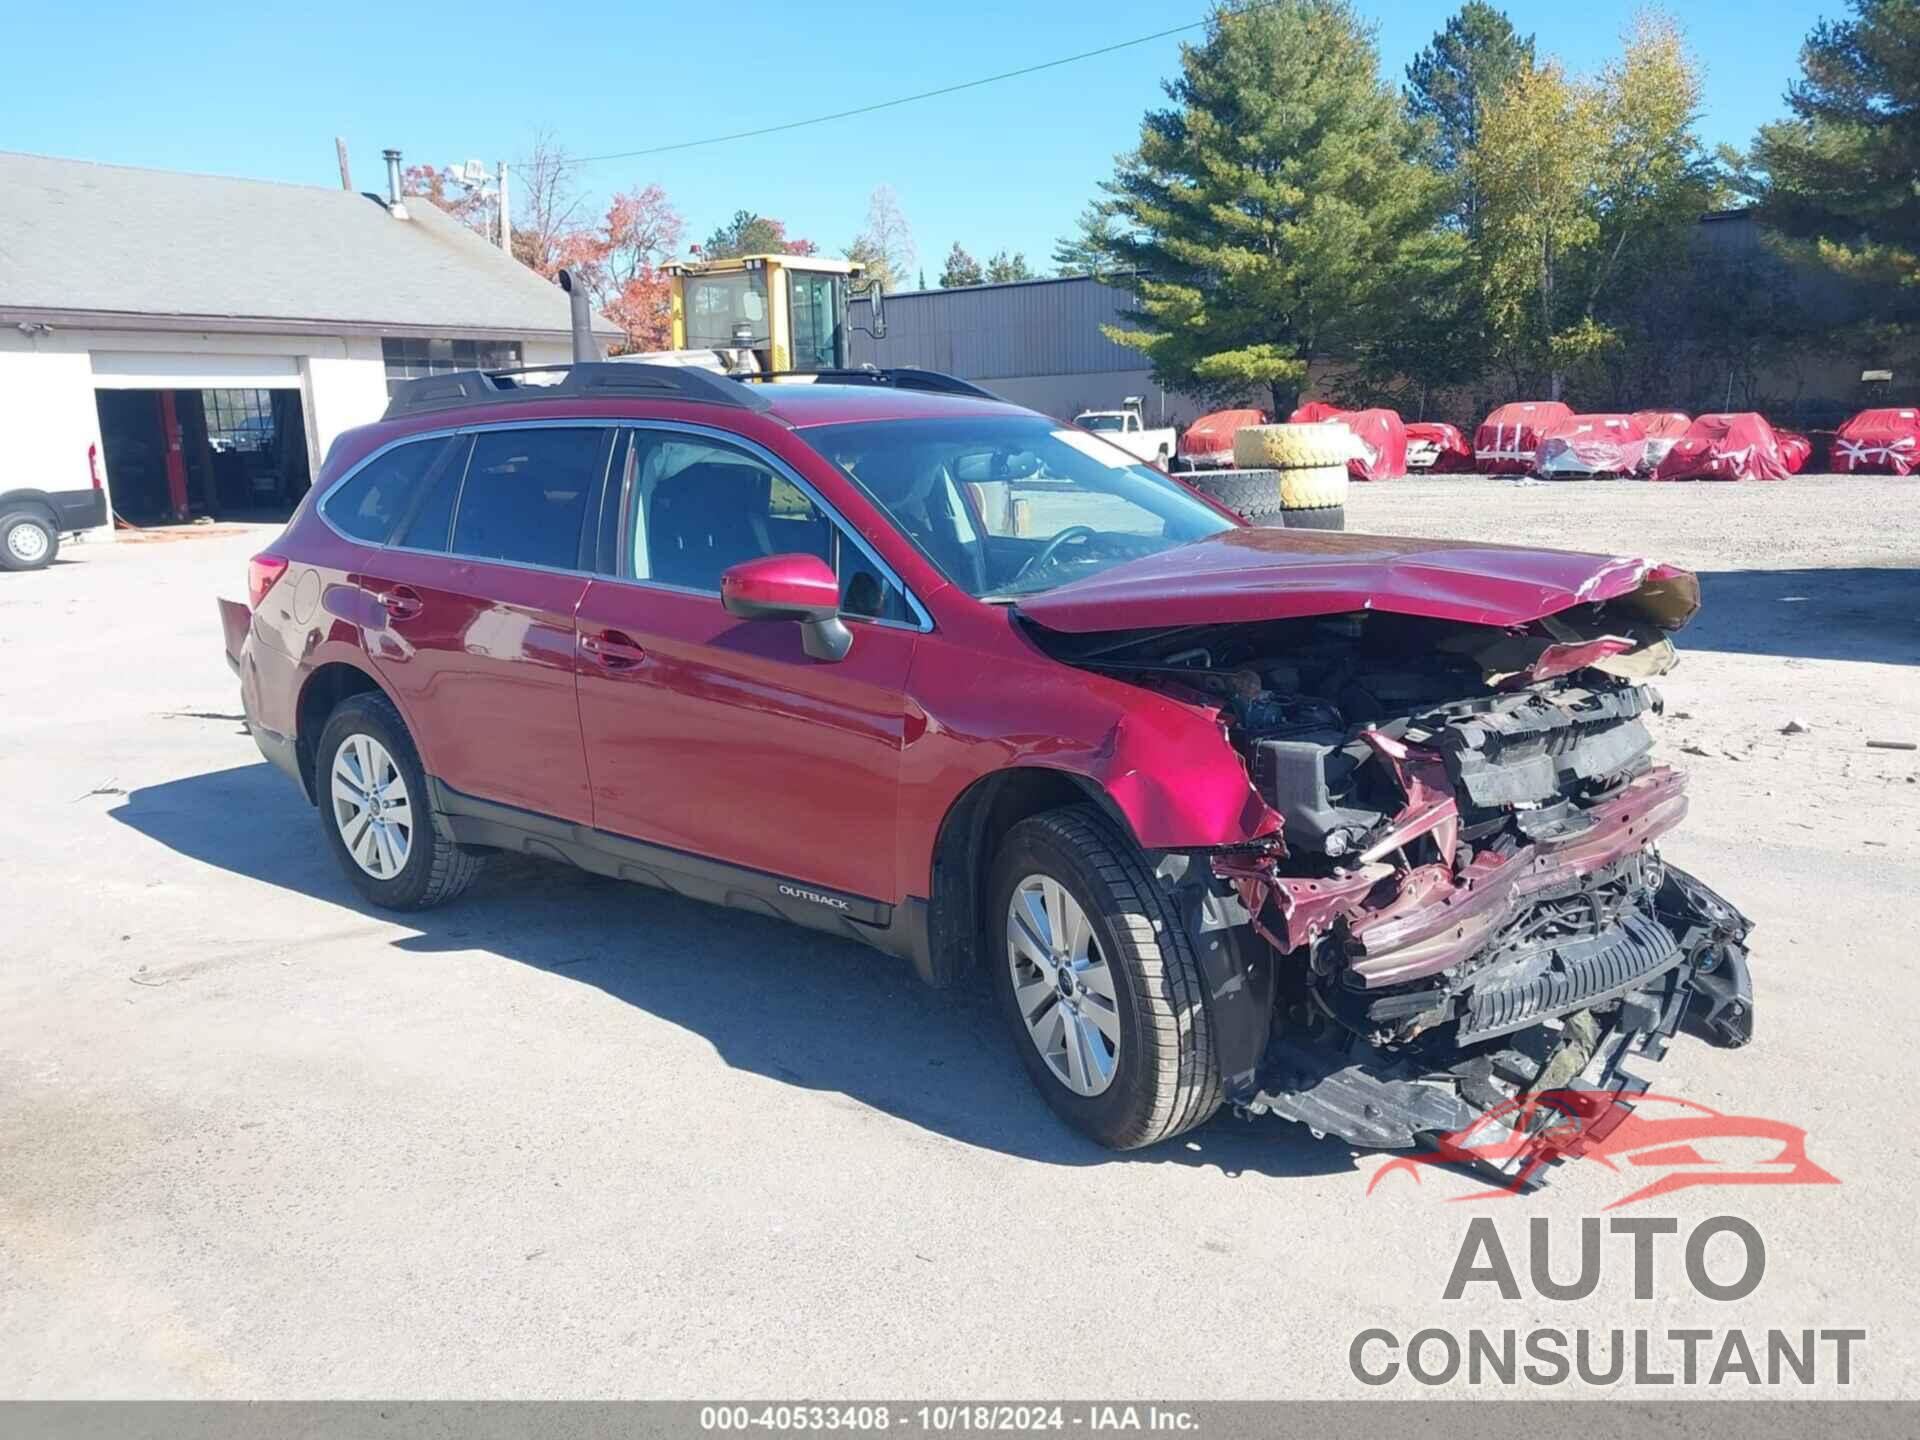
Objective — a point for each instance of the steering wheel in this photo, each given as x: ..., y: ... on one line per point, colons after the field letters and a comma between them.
x: 1040, y: 561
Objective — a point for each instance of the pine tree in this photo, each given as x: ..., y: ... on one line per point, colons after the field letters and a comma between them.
x: 1089, y: 250
x: 751, y: 234
x: 1464, y: 68
x: 961, y: 269
x: 1276, y: 211
x: 1839, y: 177
x: 1004, y: 267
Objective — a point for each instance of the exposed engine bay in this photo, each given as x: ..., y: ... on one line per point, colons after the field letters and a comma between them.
x: 1464, y: 903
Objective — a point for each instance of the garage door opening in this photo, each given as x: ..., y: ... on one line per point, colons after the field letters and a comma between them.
x: 179, y: 455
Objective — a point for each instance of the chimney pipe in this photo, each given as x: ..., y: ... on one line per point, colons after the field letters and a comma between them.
x: 585, y: 347
x: 395, y: 206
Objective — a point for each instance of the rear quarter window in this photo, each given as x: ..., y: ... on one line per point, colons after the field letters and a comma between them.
x: 371, y: 502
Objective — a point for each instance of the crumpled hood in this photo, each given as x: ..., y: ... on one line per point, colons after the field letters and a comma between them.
x: 1263, y: 574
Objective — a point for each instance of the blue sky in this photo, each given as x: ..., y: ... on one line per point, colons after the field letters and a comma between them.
x: 261, y: 90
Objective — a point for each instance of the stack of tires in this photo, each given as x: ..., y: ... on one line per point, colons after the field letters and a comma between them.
x: 1289, y: 475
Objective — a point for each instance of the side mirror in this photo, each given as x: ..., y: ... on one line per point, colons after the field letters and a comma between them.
x: 790, y: 587
x: 875, y: 295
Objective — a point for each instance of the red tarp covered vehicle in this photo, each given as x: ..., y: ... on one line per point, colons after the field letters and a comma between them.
x: 1586, y: 445
x: 1382, y: 435
x: 1509, y: 438
x: 1795, y: 450
x: 1208, y: 441
x: 1437, y: 447
x: 1879, y: 440
x: 1725, y: 447
x: 1663, y: 427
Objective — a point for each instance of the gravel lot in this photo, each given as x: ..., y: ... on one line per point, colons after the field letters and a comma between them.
x: 572, y: 1138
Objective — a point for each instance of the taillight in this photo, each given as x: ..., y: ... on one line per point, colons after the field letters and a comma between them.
x: 93, y: 467
x: 262, y: 571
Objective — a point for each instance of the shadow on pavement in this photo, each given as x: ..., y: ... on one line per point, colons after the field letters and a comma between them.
x: 772, y: 999
x: 1834, y: 614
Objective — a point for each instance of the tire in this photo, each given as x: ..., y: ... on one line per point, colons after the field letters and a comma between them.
x: 1313, y: 487
x: 1305, y: 499
x: 1163, y: 1079
x: 1293, y: 447
x: 1319, y: 517
x: 28, y: 540
x: 434, y: 869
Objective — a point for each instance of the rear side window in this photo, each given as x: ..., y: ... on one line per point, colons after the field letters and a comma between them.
x: 431, y: 523
x: 377, y: 496
x: 526, y: 495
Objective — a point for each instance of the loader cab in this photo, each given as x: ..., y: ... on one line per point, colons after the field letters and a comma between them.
x: 790, y: 311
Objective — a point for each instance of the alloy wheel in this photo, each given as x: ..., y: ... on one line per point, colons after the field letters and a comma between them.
x: 371, y: 806
x: 1062, y: 985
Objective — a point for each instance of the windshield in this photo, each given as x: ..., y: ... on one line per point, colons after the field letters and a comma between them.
x: 1103, y: 422
x: 1010, y: 505
x: 726, y: 310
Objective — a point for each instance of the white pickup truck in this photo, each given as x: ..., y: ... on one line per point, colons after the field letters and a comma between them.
x: 1125, y: 428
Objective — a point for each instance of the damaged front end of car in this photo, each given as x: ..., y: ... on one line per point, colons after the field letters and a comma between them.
x: 1463, y: 903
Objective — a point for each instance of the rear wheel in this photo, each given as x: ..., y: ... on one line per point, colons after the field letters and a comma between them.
x: 1098, y: 983
x: 28, y: 540
x: 378, y: 812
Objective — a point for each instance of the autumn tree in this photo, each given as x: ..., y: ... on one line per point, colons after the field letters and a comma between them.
x: 621, y: 261
x: 1584, y: 186
x: 751, y: 234
x: 474, y: 206
x: 1002, y: 268
x: 1464, y: 68
x: 961, y: 269
x: 548, y: 210
x: 1275, y: 210
x: 1838, y: 178
x: 885, y: 247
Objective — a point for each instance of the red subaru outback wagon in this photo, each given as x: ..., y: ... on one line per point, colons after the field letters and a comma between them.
x: 1358, y: 831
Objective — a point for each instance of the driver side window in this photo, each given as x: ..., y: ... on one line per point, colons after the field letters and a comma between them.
x: 697, y: 506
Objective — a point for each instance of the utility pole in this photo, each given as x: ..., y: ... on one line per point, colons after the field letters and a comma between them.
x: 346, y: 174
x: 506, y: 218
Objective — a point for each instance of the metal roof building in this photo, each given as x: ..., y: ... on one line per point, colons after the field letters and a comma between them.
x: 1038, y: 343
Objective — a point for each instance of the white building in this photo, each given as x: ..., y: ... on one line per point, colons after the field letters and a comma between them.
x: 199, y: 342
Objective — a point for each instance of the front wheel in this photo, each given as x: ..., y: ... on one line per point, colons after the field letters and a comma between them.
x: 1098, y: 983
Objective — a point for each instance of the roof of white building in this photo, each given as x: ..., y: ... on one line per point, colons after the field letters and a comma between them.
x: 88, y: 242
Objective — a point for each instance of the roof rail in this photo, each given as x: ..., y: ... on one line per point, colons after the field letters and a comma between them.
x: 586, y: 380
x: 900, y: 377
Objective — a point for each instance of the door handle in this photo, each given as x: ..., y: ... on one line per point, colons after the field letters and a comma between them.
x: 400, y: 603
x: 612, y: 650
